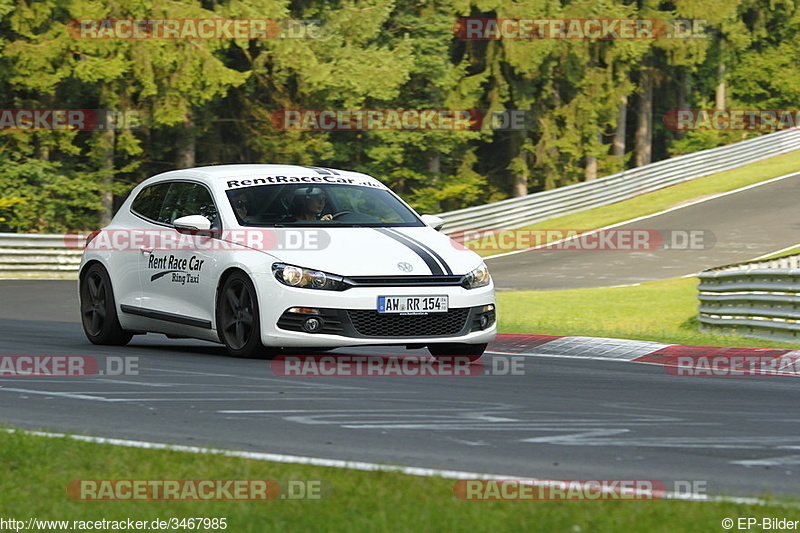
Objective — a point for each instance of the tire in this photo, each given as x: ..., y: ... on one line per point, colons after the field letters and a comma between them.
x: 99, y: 309
x: 238, y: 320
x: 447, y: 351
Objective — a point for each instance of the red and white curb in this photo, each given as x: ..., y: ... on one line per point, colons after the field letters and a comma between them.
x: 677, y: 359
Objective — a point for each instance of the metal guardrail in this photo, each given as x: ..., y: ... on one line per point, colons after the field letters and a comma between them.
x: 523, y: 211
x: 39, y: 256
x: 757, y: 299
x: 56, y: 255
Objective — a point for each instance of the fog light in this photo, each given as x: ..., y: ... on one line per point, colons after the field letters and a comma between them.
x: 312, y: 325
x: 484, y: 321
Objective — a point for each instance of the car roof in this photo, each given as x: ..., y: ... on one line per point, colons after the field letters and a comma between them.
x: 217, y: 173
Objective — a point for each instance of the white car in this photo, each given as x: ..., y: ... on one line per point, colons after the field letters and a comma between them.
x: 263, y: 257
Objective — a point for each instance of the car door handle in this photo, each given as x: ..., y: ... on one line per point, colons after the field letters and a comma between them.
x: 146, y: 251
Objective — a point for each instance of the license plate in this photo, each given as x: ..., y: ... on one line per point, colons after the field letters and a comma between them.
x: 412, y: 305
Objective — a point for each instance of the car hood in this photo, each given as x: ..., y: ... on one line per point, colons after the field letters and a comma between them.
x: 373, y: 251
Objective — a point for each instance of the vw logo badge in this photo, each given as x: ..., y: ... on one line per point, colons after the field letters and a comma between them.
x: 405, y: 267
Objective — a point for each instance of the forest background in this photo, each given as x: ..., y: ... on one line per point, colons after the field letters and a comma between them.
x: 595, y: 106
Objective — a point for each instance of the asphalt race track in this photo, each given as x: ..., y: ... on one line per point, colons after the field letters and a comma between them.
x: 559, y: 418
x: 562, y: 418
x: 744, y: 225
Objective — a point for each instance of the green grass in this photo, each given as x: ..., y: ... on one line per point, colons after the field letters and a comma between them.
x: 650, y: 203
x: 662, y: 311
x: 38, y: 469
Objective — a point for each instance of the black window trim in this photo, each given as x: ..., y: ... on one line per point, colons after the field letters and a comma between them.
x: 171, y: 181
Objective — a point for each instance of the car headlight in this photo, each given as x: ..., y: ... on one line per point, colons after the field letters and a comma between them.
x: 477, y: 278
x: 305, y: 278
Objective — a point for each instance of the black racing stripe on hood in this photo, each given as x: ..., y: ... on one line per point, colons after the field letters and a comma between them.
x: 436, y: 270
x: 447, y: 269
x: 320, y: 171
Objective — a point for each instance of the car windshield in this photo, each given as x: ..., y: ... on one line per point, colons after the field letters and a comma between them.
x: 319, y: 204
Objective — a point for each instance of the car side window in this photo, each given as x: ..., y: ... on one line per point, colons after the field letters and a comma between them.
x: 186, y: 198
x: 165, y: 202
x: 149, y: 201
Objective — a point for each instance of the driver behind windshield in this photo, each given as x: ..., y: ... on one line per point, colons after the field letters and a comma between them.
x: 309, y: 203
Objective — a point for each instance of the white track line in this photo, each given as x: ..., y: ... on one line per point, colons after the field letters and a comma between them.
x: 776, y: 252
x: 361, y: 465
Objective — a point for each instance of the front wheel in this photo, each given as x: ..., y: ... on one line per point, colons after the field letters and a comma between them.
x: 238, y: 321
x: 450, y: 350
x: 99, y: 310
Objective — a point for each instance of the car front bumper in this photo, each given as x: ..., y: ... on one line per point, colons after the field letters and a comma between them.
x: 350, y: 318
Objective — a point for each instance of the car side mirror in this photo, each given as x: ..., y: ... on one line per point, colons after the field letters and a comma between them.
x: 433, y: 221
x: 192, y: 223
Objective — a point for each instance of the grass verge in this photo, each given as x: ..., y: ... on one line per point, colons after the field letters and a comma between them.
x: 662, y: 311
x: 38, y: 470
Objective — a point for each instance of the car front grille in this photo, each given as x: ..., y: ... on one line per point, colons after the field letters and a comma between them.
x: 371, y: 324
x: 404, y: 281
x: 374, y: 324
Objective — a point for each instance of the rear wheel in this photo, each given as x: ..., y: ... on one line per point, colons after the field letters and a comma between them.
x: 449, y: 351
x: 238, y: 321
x: 99, y: 310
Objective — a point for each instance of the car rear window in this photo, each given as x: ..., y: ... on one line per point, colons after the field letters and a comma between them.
x: 149, y: 201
